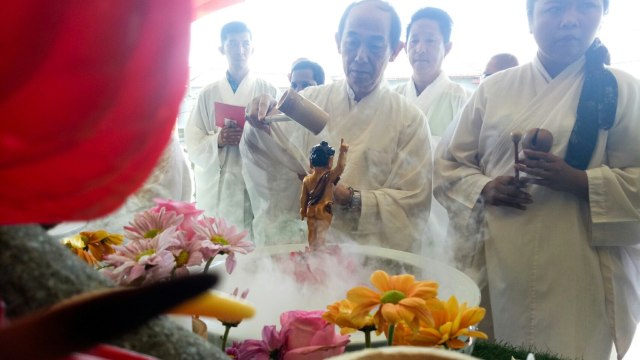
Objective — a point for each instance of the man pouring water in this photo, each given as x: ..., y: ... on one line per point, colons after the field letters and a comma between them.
x: 383, y: 197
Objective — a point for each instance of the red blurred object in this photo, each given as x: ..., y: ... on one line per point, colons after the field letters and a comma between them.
x: 89, y: 96
x: 205, y: 7
x: 109, y: 352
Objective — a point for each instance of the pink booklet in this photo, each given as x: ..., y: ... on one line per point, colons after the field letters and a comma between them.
x: 226, y: 113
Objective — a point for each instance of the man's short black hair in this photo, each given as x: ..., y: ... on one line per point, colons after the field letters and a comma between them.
x: 445, y: 23
x: 318, y: 72
x: 234, y: 27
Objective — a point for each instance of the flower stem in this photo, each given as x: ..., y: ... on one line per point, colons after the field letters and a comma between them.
x: 225, y: 336
x: 392, y: 329
x: 206, y: 266
x: 367, y: 339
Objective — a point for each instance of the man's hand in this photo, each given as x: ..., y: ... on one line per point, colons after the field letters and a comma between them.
x: 341, y: 195
x: 505, y: 191
x: 553, y: 172
x: 229, y: 135
x: 257, y: 109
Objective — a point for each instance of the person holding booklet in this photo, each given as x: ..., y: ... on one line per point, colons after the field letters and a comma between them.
x: 212, y: 138
x: 559, y: 248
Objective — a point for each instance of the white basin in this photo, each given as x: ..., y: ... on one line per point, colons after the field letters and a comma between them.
x: 273, y: 290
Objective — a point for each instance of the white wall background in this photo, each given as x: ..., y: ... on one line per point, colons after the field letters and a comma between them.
x: 285, y: 30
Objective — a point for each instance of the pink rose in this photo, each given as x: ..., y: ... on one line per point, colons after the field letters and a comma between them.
x: 271, y: 344
x: 309, y: 337
x: 188, y: 210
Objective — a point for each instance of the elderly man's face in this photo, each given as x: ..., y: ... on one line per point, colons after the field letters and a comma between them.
x: 365, y: 48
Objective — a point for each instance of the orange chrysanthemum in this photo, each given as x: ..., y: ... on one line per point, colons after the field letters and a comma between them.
x: 77, y: 246
x: 400, y: 298
x: 341, y: 314
x: 92, y: 246
x: 100, y: 243
x: 450, y: 322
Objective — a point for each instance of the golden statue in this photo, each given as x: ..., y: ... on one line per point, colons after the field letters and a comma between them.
x: 316, y: 198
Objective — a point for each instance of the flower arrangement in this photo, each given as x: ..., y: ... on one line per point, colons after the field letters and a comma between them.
x: 164, y: 241
x: 174, y: 237
x: 407, y: 311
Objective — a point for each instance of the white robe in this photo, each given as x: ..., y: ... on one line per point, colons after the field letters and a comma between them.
x: 389, y: 161
x: 440, y: 101
x: 220, y: 188
x: 562, y: 275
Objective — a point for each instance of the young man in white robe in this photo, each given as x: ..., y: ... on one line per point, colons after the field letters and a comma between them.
x: 559, y: 247
x: 428, y: 43
x: 384, y: 195
x: 220, y: 187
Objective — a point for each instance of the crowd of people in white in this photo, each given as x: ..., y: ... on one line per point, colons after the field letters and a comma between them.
x: 555, y: 249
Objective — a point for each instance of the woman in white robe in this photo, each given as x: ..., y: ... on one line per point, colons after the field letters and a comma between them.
x: 560, y: 256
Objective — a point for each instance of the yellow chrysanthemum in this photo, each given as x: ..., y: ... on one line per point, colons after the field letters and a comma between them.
x: 450, y: 322
x: 400, y: 298
x: 341, y: 314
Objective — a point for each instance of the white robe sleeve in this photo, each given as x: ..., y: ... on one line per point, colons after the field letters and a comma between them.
x: 201, y: 133
x: 458, y: 176
x: 458, y: 182
x: 614, y: 186
x: 614, y: 200
x: 400, y: 208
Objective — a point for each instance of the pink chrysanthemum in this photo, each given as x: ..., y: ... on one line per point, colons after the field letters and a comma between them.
x: 148, y: 224
x: 187, y: 253
x: 143, y: 261
x: 219, y: 238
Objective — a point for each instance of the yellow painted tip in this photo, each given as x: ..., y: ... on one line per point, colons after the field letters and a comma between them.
x: 216, y: 304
